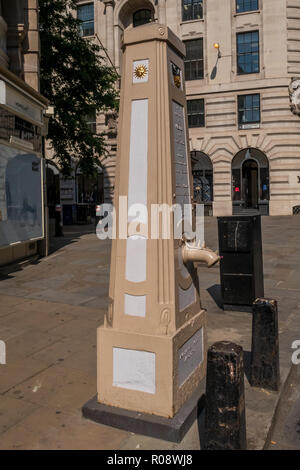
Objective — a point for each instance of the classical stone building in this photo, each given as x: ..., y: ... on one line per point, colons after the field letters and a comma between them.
x: 22, y: 222
x: 242, y: 75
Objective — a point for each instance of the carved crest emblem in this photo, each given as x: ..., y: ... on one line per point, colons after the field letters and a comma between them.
x: 176, y: 72
x: 294, y: 92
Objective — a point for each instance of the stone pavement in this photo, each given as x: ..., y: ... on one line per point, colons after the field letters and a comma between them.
x: 49, y: 312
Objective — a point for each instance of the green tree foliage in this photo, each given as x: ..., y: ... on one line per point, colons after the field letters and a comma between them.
x: 77, y: 80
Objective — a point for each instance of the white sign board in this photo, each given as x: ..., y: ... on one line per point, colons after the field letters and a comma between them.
x: 21, y: 214
x: 20, y: 103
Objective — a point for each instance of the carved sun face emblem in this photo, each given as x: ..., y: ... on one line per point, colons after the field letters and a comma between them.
x: 140, y: 71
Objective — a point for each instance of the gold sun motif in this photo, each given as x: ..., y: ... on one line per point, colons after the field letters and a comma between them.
x: 140, y: 71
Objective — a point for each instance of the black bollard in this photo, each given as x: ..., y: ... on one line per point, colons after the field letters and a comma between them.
x: 265, y: 371
x: 225, y: 419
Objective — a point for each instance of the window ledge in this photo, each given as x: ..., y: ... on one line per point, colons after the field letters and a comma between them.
x: 250, y: 12
x: 195, y: 80
x: 249, y: 126
x: 201, y: 20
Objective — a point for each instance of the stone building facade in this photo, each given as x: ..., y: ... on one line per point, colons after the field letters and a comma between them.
x: 22, y: 211
x: 242, y: 84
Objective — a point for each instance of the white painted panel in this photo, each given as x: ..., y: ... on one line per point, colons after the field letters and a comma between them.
x: 138, y: 157
x: 136, y: 258
x: 135, y: 305
x: 190, y: 356
x: 134, y: 370
x: 186, y: 297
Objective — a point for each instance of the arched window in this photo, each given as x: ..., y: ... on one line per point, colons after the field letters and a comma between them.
x: 142, y: 17
x: 202, y: 171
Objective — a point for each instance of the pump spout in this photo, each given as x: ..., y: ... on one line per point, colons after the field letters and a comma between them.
x: 194, y: 253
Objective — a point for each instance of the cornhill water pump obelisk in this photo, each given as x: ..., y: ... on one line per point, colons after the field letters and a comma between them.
x: 152, y: 346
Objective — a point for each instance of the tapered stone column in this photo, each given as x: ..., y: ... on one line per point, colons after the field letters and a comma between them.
x: 109, y: 24
x: 152, y: 346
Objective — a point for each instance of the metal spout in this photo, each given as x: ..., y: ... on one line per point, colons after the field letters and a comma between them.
x: 194, y: 253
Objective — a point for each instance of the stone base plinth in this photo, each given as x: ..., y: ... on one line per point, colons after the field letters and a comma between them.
x: 150, y: 373
x: 168, y: 429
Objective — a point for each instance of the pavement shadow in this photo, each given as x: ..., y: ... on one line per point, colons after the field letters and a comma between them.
x: 247, y: 364
x: 71, y: 234
x: 7, y: 271
x: 216, y: 294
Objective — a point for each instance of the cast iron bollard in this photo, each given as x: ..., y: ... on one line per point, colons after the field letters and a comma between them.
x: 265, y: 371
x: 225, y: 419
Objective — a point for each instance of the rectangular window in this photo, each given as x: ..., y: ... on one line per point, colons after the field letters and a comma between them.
x: 85, y: 13
x: 248, y: 109
x: 193, y: 64
x: 248, y: 52
x: 24, y: 129
x: 91, y: 122
x: 246, y: 5
x: 195, y: 112
x: 192, y: 10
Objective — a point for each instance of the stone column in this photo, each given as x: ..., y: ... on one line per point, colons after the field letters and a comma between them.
x: 3, y: 32
x: 32, y: 53
x: 162, y: 11
x: 109, y: 12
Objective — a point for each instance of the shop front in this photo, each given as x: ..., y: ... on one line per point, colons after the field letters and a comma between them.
x: 22, y: 226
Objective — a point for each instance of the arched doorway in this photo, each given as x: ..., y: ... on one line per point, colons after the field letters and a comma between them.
x: 202, y: 171
x: 250, y: 182
x: 89, y: 193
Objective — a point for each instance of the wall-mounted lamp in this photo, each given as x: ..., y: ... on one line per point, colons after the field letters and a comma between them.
x: 217, y: 46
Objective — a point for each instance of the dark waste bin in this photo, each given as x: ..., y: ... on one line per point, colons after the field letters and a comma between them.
x: 241, y: 264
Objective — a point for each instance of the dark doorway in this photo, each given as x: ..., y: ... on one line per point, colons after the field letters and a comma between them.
x: 250, y: 184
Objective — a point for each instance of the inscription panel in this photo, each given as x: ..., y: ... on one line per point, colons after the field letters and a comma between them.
x: 180, y: 158
x: 190, y: 356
